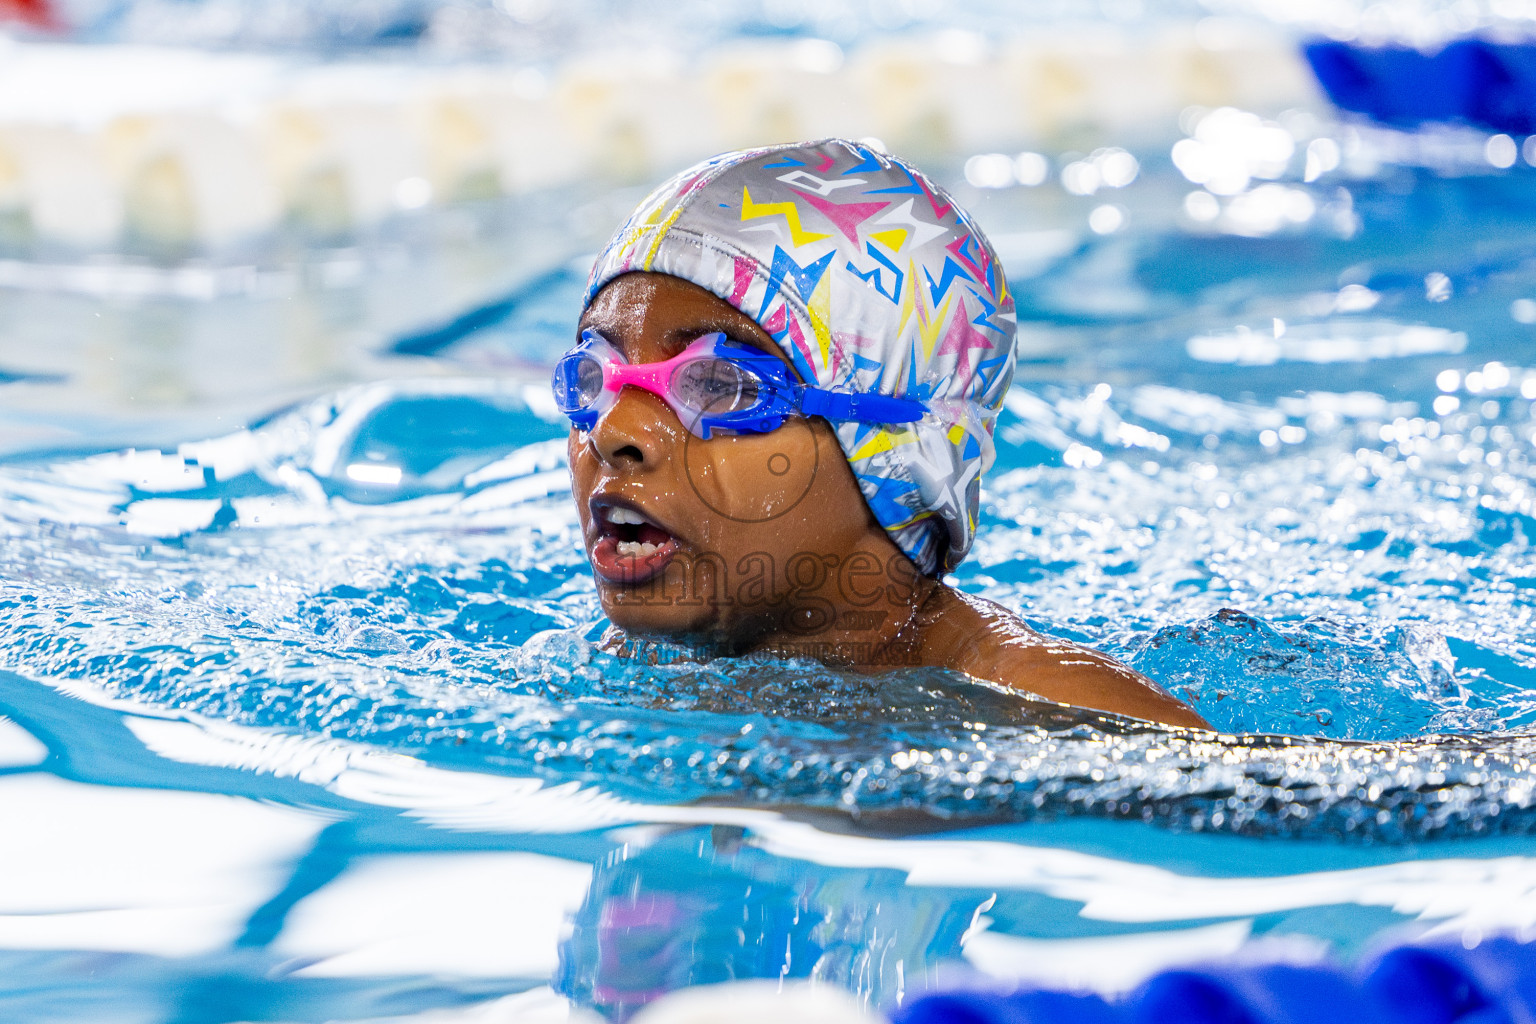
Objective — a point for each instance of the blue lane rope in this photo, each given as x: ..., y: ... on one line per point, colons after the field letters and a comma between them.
x: 1475, y: 81
x: 1494, y: 982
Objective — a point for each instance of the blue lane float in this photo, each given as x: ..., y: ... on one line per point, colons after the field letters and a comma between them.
x: 1028, y: 1007
x: 1268, y: 993
x: 1494, y: 982
x: 1475, y: 81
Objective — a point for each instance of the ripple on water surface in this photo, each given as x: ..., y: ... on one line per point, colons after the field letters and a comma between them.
x: 1376, y: 615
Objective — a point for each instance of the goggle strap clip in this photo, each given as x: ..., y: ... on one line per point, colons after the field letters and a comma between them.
x: 861, y: 406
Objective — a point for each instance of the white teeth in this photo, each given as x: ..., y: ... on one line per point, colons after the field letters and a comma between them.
x: 637, y: 549
x: 625, y: 516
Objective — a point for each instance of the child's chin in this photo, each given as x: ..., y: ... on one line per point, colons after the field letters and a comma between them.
x: 653, y: 619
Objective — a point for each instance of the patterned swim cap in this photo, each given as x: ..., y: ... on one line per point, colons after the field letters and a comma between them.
x: 870, y: 278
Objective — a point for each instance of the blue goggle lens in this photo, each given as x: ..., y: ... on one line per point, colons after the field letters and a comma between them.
x: 578, y: 382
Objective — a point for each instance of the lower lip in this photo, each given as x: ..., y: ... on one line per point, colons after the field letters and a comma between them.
x: 628, y: 570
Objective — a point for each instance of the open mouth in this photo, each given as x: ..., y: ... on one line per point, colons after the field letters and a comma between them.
x: 629, y: 547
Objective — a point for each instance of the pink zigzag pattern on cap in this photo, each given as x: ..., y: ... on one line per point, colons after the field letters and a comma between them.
x: 847, y: 216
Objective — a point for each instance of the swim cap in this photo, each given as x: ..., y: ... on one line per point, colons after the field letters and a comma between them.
x: 870, y: 278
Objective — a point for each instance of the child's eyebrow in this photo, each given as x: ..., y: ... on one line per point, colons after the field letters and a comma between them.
x: 701, y: 328
x: 682, y: 335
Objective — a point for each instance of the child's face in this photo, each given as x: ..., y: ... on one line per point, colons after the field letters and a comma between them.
x: 740, y: 536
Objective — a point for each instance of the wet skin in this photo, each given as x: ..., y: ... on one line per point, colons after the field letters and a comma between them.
x: 762, y: 543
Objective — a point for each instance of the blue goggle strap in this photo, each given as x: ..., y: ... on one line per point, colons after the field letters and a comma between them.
x: 781, y: 400
x: 863, y: 407
x: 834, y: 405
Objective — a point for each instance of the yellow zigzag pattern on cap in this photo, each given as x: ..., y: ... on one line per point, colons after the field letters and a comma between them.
x: 661, y: 233
x: 639, y: 225
x: 930, y: 324
x: 752, y: 211
x: 819, y: 307
x: 883, y: 441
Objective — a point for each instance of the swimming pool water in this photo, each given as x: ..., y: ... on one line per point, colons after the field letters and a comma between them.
x: 1288, y: 475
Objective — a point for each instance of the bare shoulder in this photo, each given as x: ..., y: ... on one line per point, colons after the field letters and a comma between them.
x: 988, y: 641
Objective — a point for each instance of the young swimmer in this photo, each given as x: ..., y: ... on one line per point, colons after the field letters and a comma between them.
x: 782, y: 398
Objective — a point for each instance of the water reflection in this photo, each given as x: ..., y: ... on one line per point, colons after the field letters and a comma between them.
x: 339, y: 880
x: 699, y: 906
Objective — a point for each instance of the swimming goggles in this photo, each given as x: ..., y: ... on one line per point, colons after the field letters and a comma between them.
x: 713, y: 385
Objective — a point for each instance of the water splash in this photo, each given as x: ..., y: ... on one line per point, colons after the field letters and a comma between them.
x: 452, y: 618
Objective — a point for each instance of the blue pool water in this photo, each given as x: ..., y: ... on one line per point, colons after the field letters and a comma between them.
x: 332, y: 669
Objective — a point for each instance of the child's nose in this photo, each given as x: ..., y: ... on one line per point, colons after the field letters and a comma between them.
x: 636, y: 430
